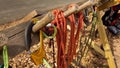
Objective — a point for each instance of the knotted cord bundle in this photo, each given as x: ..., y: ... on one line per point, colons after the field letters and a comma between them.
x: 66, y: 52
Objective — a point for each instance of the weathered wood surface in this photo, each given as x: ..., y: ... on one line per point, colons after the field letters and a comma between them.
x: 16, y: 39
x: 50, y: 16
x: 14, y: 9
x: 15, y: 34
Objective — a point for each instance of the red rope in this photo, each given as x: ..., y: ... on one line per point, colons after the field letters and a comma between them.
x: 60, y: 22
x: 74, y: 36
x: 61, y: 37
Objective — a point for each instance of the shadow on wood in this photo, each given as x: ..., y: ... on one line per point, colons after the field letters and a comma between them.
x: 16, y: 41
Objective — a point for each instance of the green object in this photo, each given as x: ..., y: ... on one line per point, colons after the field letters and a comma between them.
x: 92, y: 31
x: 88, y: 40
x: 53, y: 35
x: 5, y: 56
x: 0, y: 66
x: 46, y: 63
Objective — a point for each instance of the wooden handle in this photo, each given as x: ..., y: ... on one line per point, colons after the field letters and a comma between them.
x: 44, y: 21
x: 49, y: 17
x: 86, y: 4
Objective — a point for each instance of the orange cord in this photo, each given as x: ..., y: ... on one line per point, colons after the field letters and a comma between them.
x: 74, y: 36
x: 61, y: 37
x: 61, y: 25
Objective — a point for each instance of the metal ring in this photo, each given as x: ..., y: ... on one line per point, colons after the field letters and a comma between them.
x: 53, y: 35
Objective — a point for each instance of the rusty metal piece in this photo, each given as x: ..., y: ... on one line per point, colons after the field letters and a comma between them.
x: 28, y: 39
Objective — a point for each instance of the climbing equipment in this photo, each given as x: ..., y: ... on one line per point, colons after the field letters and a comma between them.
x: 38, y: 55
x: 28, y: 32
x: 48, y: 30
x: 5, y: 56
x: 3, y: 42
x: 74, y: 36
x: 60, y: 37
x: 49, y: 16
x: 64, y: 59
x: 86, y: 41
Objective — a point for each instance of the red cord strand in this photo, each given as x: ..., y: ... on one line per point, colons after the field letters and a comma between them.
x: 61, y: 37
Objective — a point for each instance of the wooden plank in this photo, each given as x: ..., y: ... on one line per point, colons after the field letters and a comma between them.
x: 50, y: 16
x: 14, y: 30
x: 14, y: 9
x: 16, y: 44
x: 16, y: 35
x: 16, y: 41
x: 28, y: 17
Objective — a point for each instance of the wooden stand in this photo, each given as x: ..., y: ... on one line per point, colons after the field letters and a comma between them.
x: 104, y: 40
x: 49, y: 16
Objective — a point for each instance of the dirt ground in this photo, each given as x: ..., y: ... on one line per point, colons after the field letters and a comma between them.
x: 115, y: 44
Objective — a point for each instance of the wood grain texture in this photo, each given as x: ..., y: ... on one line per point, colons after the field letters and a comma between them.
x: 16, y: 43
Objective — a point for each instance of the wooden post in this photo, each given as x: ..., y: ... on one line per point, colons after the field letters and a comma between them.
x: 97, y: 49
x: 49, y: 16
x: 104, y: 40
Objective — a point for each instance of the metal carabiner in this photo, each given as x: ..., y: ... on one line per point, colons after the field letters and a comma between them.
x: 53, y: 35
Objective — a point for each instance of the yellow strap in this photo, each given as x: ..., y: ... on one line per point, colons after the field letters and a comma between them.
x: 38, y: 55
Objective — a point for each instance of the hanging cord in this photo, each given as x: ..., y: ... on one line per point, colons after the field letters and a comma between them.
x: 50, y: 32
x: 92, y: 31
x: 74, y: 36
x: 61, y: 36
x: 64, y: 61
x: 59, y: 28
x: 81, y: 46
x: 5, y: 56
x: 88, y: 40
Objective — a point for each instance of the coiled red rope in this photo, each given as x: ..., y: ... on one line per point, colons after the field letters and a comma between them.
x: 74, y: 37
x: 63, y: 59
x: 61, y: 25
